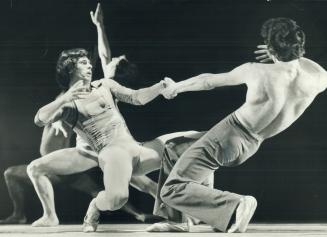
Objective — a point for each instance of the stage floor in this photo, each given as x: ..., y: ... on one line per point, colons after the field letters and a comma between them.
x: 137, y: 230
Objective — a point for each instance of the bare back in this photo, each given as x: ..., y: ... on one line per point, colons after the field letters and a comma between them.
x: 279, y: 93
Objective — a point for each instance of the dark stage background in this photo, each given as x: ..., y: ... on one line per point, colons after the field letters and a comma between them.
x: 179, y: 39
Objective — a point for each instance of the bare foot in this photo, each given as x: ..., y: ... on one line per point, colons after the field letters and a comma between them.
x: 45, y: 221
x: 244, y: 213
x: 14, y: 220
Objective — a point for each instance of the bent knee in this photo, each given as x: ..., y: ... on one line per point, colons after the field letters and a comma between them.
x: 34, y: 169
x: 11, y: 172
x: 116, y: 200
x: 168, y: 193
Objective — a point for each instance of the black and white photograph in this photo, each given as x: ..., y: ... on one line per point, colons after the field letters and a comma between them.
x: 132, y: 118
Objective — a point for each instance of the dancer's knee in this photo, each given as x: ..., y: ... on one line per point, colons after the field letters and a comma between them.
x: 10, y: 173
x: 170, y: 192
x: 116, y: 199
x: 166, y: 193
x: 34, y: 169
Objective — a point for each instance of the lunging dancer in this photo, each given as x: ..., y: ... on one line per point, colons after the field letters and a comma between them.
x: 82, y: 157
x: 277, y: 96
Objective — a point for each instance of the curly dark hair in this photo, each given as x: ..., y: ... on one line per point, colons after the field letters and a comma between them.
x: 126, y: 73
x: 65, y: 65
x: 284, y: 38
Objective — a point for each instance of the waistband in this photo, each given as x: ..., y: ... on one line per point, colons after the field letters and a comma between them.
x: 245, y: 129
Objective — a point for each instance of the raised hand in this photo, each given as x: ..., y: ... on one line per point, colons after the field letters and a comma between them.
x: 170, y: 91
x: 77, y: 91
x: 264, y: 55
x: 97, y: 17
x: 57, y: 126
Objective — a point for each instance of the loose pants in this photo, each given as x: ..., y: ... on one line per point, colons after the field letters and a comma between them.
x: 228, y: 143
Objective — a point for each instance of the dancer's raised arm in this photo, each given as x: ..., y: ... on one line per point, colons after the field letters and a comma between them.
x: 103, y: 43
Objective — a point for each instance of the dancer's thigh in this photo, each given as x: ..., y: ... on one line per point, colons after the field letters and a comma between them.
x: 64, y: 162
x: 117, y: 166
x: 149, y: 160
x: 17, y: 172
x: 142, y: 183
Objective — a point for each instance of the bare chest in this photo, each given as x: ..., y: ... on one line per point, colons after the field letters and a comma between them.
x: 98, y: 101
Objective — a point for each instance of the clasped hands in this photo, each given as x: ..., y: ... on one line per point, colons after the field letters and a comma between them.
x: 170, y: 88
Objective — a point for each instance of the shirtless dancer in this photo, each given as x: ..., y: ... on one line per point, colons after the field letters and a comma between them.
x: 277, y: 96
x: 16, y: 177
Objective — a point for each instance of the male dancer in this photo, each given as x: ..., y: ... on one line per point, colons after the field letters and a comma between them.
x: 277, y: 96
x: 50, y: 165
x: 56, y: 137
x: 96, y: 119
x: 76, y: 62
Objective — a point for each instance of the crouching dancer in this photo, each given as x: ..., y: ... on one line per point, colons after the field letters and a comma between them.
x: 91, y: 110
x: 277, y: 96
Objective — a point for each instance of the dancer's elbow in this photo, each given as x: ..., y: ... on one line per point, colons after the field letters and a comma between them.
x: 38, y: 122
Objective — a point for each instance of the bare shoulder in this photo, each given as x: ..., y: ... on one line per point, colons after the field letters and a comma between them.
x: 311, y: 66
x: 251, y: 70
x: 317, y: 72
x: 244, y: 70
x: 245, y: 67
x: 253, y: 67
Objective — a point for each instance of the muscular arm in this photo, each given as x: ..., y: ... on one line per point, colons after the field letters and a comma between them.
x: 210, y: 81
x: 50, y: 112
x: 62, y: 107
x: 135, y: 97
x: 103, y: 43
x: 103, y: 48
